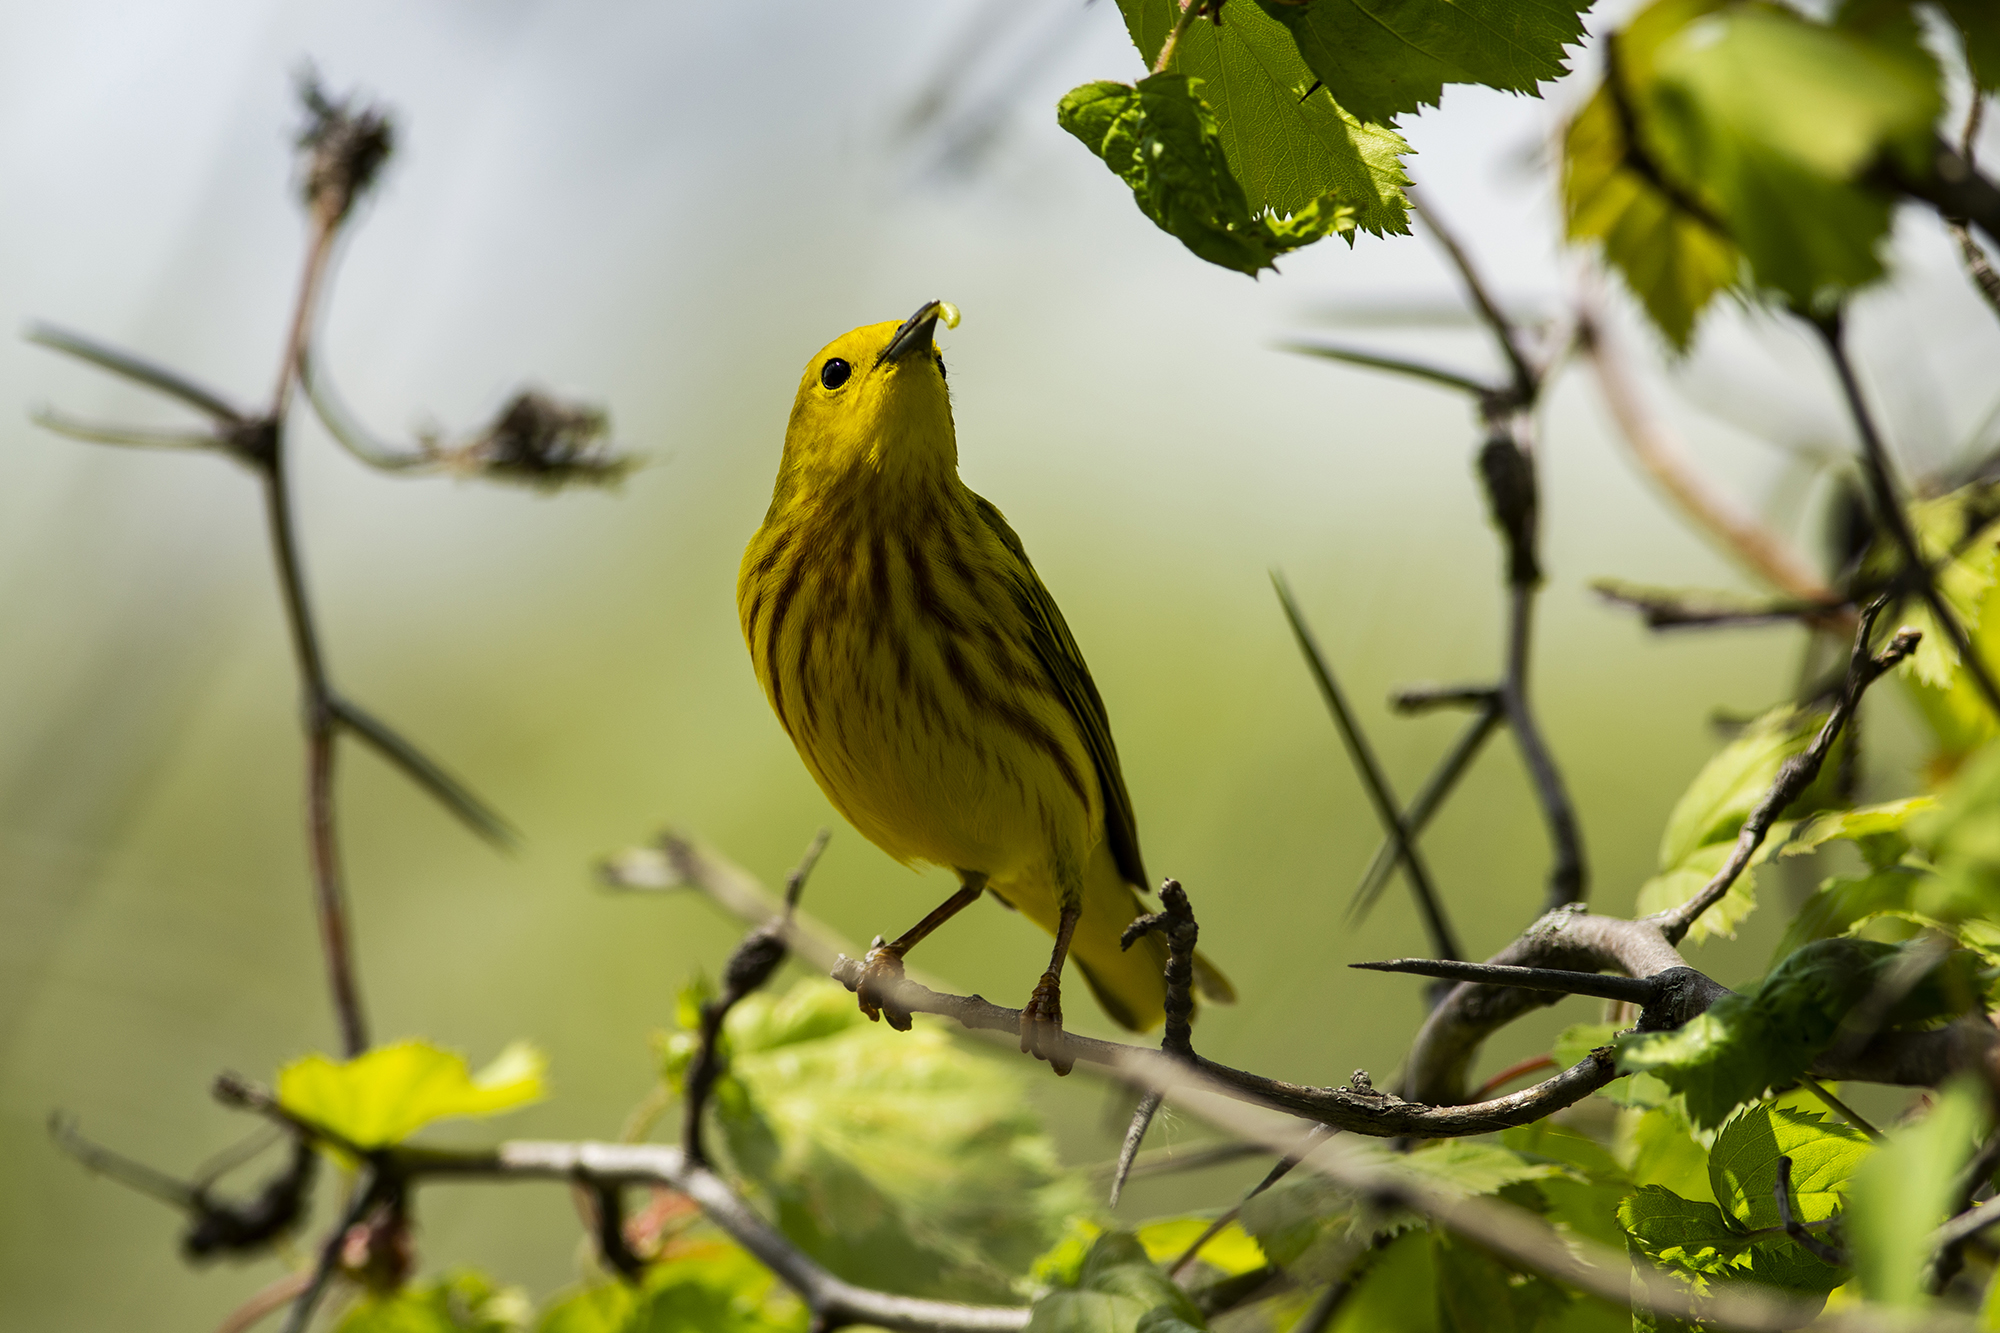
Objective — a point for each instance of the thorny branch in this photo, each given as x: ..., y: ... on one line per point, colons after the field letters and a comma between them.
x: 1175, y: 920
x: 1797, y: 773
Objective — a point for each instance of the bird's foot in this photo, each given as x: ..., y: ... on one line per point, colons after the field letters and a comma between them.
x: 880, y: 970
x: 1041, y: 1025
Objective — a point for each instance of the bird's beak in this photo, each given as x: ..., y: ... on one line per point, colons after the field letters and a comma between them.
x: 915, y: 334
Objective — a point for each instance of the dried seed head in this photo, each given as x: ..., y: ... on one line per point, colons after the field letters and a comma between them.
x: 542, y: 442
x: 342, y: 146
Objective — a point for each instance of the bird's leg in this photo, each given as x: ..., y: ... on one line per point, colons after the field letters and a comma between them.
x: 1041, y: 1021
x: 885, y: 961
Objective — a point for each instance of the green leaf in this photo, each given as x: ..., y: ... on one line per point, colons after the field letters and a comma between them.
x: 1878, y: 829
x: 1701, y: 831
x: 1306, y: 1225
x: 1686, y: 1233
x: 1232, y: 1249
x: 1903, y: 1193
x: 1673, y: 259
x: 1842, y: 904
x: 456, y: 1302
x: 1770, y: 1034
x: 1671, y: 888
x: 1161, y: 139
x: 1573, y: 1043
x: 1731, y: 785
x: 1117, y: 1290
x: 1387, y: 1296
x: 1743, y: 1166
x: 702, y: 1287
x: 1662, y: 1148
x: 1286, y: 144
x: 902, y: 1161
x: 1382, y: 58
x: 1780, y: 117
x: 383, y: 1096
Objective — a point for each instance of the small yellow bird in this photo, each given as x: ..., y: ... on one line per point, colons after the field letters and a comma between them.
x: 930, y: 684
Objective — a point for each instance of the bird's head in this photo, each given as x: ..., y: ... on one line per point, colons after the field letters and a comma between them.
x: 874, y: 400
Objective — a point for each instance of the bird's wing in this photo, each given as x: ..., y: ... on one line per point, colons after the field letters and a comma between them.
x: 1063, y: 661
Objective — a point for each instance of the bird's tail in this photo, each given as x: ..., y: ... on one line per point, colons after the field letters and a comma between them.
x: 1131, y: 984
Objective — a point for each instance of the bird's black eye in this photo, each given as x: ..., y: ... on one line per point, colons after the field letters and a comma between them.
x: 940, y: 361
x: 834, y: 373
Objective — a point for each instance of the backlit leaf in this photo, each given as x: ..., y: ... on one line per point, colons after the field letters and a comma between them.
x: 1905, y: 1191
x: 1287, y: 144
x: 1743, y: 1166
x: 458, y: 1302
x: 1160, y: 137
x: 382, y: 1096
x: 1382, y: 58
x: 1116, y: 1290
x: 902, y: 1161
x: 714, y: 1287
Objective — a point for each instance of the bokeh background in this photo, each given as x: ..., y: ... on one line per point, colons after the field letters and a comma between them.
x: 666, y: 208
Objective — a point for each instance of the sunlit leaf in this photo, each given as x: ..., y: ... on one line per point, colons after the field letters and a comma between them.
x: 1743, y: 1166
x: 1660, y: 1147
x: 1780, y: 116
x: 1382, y: 58
x: 1117, y: 1289
x: 1160, y: 137
x: 1905, y: 1191
x: 1878, y: 829
x: 1575, y: 1042
x: 716, y: 1289
x: 1232, y: 1249
x: 1287, y: 143
x: 902, y: 1161
x: 384, y: 1095
x: 457, y: 1302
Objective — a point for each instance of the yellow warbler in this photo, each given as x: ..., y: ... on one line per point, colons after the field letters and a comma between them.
x: 930, y: 684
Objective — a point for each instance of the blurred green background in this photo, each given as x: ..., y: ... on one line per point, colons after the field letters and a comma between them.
x: 665, y: 208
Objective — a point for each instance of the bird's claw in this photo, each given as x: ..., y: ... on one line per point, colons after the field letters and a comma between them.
x: 1041, y: 1025
x: 883, y: 964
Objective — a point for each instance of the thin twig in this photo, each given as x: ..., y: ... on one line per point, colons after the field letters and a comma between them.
x: 1569, y: 876
x: 1414, y: 699
x: 1630, y: 990
x: 1135, y: 1134
x: 1839, y: 1107
x: 1430, y: 799
x: 139, y: 371
x: 1443, y: 941
x: 427, y: 773
x: 1797, y: 772
x: 1450, y: 379
x: 1527, y: 381
x: 1669, y: 608
x: 1889, y: 511
x: 127, y: 436
x: 1520, y: 1069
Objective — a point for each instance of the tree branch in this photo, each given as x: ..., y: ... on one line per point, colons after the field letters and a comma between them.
x: 1450, y: 379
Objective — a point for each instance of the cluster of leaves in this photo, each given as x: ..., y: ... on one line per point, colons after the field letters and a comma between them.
x: 1740, y: 145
